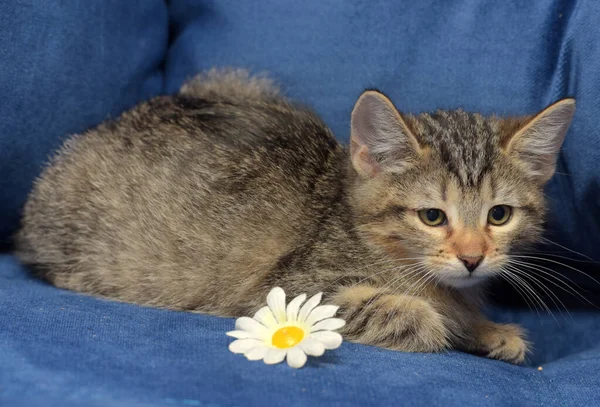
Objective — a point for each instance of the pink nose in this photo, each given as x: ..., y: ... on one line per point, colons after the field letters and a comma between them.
x: 471, y: 262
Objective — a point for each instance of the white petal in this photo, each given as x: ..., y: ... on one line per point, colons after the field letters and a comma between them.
x: 296, y: 357
x: 328, y: 324
x: 265, y: 317
x: 244, y: 345
x: 312, y: 347
x: 294, y: 306
x: 330, y: 340
x: 276, y: 301
x: 242, y: 334
x: 309, y: 306
x: 250, y: 325
x: 257, y: 353
x: 321, y: 312
x: 275, y: 355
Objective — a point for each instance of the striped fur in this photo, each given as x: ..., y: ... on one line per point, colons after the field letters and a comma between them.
x: 205, y: 200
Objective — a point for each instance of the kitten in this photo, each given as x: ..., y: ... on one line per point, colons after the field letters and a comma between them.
x: 207, y: 199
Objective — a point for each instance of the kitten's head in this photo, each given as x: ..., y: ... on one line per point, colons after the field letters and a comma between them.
x: 455, y: 191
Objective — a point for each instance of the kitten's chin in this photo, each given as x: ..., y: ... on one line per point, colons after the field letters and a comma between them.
x: 463, y: 282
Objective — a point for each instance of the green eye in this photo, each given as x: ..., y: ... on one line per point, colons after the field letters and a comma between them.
x: 432, y: 217
x: 499, y: 215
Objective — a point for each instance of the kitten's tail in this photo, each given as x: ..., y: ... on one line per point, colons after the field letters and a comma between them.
x: 230, y: 85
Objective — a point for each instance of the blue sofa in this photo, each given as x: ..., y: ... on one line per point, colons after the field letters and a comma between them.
x: 68, y: 65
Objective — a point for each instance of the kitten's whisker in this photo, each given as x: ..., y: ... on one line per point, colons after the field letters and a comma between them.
x: 546, y: 270
x: 529, y: 288
x: 413, y: 272
x: 404, y: 272
x: 437, y: 281
x: 383, y: 263
x: 557, y: 256
x: 506, y: 276
x: 383, y: 290
x: 384, y: 270
x: 567, y: 288
x: 407, y: 275
x: 431, y: 277
x: 381, y: 294
x: 428, y: 278
x: 423, y: 275
x: 377, y: 263
x: 544, y: 288
x: 416, y: 288
x: 524, y: 293
x: 566, y: 248
x: 559, y: 263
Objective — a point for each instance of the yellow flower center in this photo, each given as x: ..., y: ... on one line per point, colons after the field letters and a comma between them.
x: 287, y: 337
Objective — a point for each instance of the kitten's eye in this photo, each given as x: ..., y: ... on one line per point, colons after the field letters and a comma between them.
x: 432, y: 217
x: 499, y: 215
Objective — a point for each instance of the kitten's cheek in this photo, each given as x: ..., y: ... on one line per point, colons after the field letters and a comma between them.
x: 392, y: 244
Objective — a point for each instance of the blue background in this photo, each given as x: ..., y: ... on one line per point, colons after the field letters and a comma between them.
x: 68, y: 65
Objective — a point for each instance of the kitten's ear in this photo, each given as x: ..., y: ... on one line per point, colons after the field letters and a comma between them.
x: 537, y: 143
x: 379, y: 137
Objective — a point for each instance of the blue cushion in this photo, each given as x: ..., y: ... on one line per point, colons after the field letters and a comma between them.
x: 62, y: 348
x: 68, y: 65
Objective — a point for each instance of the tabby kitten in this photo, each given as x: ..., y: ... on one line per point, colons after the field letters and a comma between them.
x: 207, y: 199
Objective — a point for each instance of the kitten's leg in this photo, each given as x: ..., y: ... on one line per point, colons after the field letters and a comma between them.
x: 497, y: 341
x: 392, y: 321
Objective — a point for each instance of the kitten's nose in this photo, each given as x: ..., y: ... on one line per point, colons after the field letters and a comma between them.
x: 471, y: 262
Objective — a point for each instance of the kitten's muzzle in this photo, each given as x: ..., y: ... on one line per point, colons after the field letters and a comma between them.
x: 471, y: 262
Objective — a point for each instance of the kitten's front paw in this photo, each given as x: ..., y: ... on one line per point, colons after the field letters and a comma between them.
x: 396, y: 322
x: 418, y: 326
x: 504, y: 342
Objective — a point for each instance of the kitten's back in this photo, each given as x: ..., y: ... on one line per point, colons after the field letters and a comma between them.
x: 183, y: 197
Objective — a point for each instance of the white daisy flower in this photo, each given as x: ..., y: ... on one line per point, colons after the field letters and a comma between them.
x: 276, y: 331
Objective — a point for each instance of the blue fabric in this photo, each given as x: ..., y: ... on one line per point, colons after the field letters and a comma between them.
x: 61, y: 348
x: 67, y: 65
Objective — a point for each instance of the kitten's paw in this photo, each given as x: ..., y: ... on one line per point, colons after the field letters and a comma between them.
x: 505, y: 342
x: 396, y: 322
x: 416, y: 326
